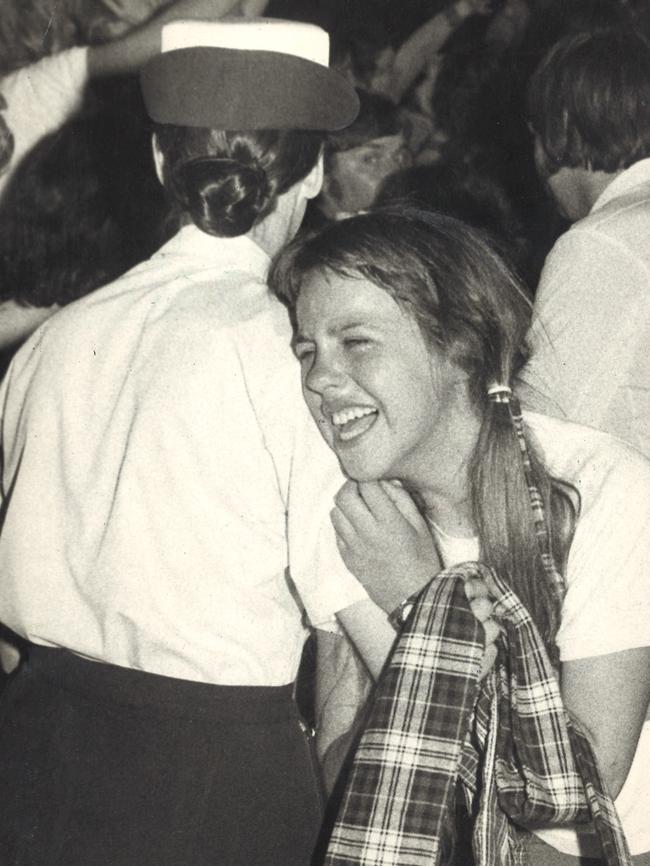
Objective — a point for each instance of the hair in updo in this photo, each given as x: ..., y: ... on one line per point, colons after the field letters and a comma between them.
x: 229, y: 181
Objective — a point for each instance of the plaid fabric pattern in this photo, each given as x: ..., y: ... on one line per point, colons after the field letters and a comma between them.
x: 508, y: 740
x: 399, y: 798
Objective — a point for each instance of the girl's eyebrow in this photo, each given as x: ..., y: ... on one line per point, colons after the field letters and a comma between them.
x: 350, y: 326
x: 333, y: 329
x: 339, y: 328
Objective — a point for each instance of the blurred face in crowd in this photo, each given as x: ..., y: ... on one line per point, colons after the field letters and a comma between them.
x: 382, y: 75
x: 355, y: 175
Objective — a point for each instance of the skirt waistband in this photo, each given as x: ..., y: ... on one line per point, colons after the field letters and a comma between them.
x: 107, y: 684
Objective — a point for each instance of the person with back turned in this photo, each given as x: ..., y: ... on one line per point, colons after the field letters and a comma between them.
x: 590, y: 114
x: 160, y: 475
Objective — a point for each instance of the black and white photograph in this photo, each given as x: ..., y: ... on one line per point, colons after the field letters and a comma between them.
x: 324, y: 432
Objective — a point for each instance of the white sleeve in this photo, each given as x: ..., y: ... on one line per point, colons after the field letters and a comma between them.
x: 607, y: 605
x: 317, y: 570
x: 307, y: 472
x: 589, y: 337
x: 40, y: 98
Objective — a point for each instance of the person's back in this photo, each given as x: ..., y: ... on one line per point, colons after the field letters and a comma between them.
x: 589, y: 359
x: 126, y: 503
x: 160, y: 476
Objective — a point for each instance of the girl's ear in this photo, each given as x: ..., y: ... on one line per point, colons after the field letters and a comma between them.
x: 313, y: 183
x: 158, y: 158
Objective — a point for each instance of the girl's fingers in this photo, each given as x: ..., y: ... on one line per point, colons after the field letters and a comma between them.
x: 481, y: 608
x: 343, y: 528
x: 488, y: 660
x: 378, y: 503
x: 475, y: 588
x: 403, y: 501
x: 350, y: 502
x: 492, y: 631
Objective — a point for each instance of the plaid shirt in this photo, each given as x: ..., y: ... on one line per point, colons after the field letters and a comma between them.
x: 507, y: 740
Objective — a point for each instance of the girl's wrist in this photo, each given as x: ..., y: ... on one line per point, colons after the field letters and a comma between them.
x: 401, y: 613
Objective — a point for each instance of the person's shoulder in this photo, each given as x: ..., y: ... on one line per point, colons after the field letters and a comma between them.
x: 65, y: 72
x: 594, y: 251
x: 86, y: 322
x: 97, y: 305
x: 166, y: 304
x: 622, y: 217
x: 595, y: 463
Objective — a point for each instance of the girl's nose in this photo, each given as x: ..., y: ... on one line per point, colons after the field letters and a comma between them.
x: 323, y: 373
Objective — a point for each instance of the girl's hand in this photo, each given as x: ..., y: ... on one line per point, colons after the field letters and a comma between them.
x: 482, y: 606
x: 384, y: 540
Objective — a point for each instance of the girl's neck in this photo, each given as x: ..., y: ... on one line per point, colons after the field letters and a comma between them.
x: 451, y: 514
x: 444, y: 495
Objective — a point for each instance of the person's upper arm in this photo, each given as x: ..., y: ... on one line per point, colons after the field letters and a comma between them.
x: 604, y: 636
x: 592, y: 299
x: 41, y: 97
x: 132, y: 50
x: 609, y: 695
x: 323, y: 582
x: 342, y: 688
x: 606, y: 608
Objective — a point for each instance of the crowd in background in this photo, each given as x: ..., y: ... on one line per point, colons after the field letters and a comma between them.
x: 443, y: 123
x: 456, y: 115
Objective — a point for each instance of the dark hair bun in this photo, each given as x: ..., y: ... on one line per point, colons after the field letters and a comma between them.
x: 223, y: 196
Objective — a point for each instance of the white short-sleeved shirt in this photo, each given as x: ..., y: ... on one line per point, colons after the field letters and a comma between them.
x: 161, y: 472
x: 607, y: 604
x: 590, y: 332
x: 40, y: 98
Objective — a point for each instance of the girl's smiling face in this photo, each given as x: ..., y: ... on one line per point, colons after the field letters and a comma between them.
x: 380, y: 395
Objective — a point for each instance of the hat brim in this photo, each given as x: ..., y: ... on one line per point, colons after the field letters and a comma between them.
x: 222, y: 88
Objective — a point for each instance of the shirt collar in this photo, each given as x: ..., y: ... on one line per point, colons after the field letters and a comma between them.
x: 206, y: 250
x: 636, y: 174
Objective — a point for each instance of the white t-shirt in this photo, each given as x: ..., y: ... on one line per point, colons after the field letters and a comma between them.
x: 40, y: 98
x: 161, y: 472
x: 607, y: 604
x: 590, y: 332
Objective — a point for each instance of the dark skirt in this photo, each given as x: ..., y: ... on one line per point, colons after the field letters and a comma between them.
x: 107, y: 766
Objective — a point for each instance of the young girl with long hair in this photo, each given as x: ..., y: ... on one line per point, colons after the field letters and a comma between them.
x: 410, y: 333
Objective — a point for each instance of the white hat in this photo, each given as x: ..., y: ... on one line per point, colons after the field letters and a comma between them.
x: 241, y: 74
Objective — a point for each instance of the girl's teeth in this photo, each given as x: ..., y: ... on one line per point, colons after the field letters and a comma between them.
x: 344, y: 416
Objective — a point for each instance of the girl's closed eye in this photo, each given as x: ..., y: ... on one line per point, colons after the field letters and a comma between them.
x: 357, y: 343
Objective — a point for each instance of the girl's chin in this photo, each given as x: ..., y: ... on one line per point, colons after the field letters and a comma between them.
x: 364, y: 464
x: 361, y: 473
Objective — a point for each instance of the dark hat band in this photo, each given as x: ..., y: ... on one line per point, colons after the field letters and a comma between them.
x: 223, y: 88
